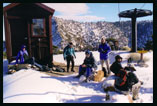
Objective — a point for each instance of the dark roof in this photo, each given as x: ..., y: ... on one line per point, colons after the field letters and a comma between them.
x: 12, y: 5
x: 135, y: 12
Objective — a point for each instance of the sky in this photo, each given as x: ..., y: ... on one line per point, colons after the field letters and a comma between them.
x: 89, y: 12
x: 93, y: 12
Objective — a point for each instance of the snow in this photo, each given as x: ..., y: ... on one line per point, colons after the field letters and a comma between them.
x: 31, y: 86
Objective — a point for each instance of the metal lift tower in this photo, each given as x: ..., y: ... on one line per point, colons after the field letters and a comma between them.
x: 133, y: 14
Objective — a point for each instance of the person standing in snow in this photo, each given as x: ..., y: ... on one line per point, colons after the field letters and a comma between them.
x: 116, y: 46
x: 104, y: 50
x: 69, y: 54
x: 88, y: 65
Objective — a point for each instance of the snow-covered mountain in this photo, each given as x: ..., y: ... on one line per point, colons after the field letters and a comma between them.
x: 88, y: 34
x: 144, y: 31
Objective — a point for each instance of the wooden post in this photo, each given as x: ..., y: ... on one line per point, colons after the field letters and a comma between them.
x: 7, y: 37
x: 50, y: 40
x: 142, y: 54
x: 29, y: 38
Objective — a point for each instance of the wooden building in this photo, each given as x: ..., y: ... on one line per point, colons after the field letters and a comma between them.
x: 29, y: 24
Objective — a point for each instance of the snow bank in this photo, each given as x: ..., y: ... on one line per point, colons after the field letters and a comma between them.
x: 5, y: 66
x: 30, y: 86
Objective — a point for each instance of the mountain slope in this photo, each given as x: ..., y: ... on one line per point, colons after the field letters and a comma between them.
x: 88, y: 34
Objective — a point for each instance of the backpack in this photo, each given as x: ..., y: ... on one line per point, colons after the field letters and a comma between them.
x: 122, y: 77
x: 58, y: 69
x: 65, y: 49
x: 45, y: 68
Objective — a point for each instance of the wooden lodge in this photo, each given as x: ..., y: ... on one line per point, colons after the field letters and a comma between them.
x: 29, y: 24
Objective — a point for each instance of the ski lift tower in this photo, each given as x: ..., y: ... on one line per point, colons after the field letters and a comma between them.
x: 133, y: 14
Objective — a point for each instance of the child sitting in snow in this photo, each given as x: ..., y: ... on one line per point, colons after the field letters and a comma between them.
x: 88, y: 64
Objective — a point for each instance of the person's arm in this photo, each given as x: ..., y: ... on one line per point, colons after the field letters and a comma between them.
x: 108, y: 49
x: 26, y: 53
x: 99, y: 49
x: 83, y: 64
x: 112, y: 68
x: 94, y: 64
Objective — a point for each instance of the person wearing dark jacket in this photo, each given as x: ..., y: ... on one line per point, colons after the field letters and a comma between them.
x: 88, y: 65
x: 126, y: 81
x: 116, y: 66
x: 69, y: 54
x: 104, y: 50
x: 116, y: 46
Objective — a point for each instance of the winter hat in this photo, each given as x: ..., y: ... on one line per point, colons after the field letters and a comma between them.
x: 118, y: 57
x: 87, y: 52
x: 23, y: 46
x: 70, y: 43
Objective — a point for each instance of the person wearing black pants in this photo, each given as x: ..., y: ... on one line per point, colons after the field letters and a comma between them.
x: 69, y: 54
x: 70, y: 59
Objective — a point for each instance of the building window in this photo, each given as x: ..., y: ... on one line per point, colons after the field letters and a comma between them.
x: 38, y: 27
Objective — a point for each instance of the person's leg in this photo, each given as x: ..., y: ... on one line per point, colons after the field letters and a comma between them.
x: 72, y: 61
x: 39, y: 66
x: 30, y: 61
x: 80, y: 68
x: 135, y: 90
x: 108, y: 67
x: 102, y: 63
x: 80, y: 71
x: 88, y: 72
x: 68, y: 64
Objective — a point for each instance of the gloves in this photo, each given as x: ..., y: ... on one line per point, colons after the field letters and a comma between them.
x: 104, y: 51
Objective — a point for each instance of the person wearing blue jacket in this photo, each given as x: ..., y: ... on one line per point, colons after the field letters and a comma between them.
x: 69, y: 54
x: 23, y: 56
x: 104, y: 50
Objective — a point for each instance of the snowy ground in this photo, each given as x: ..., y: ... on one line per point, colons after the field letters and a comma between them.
x: 35, y: 87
